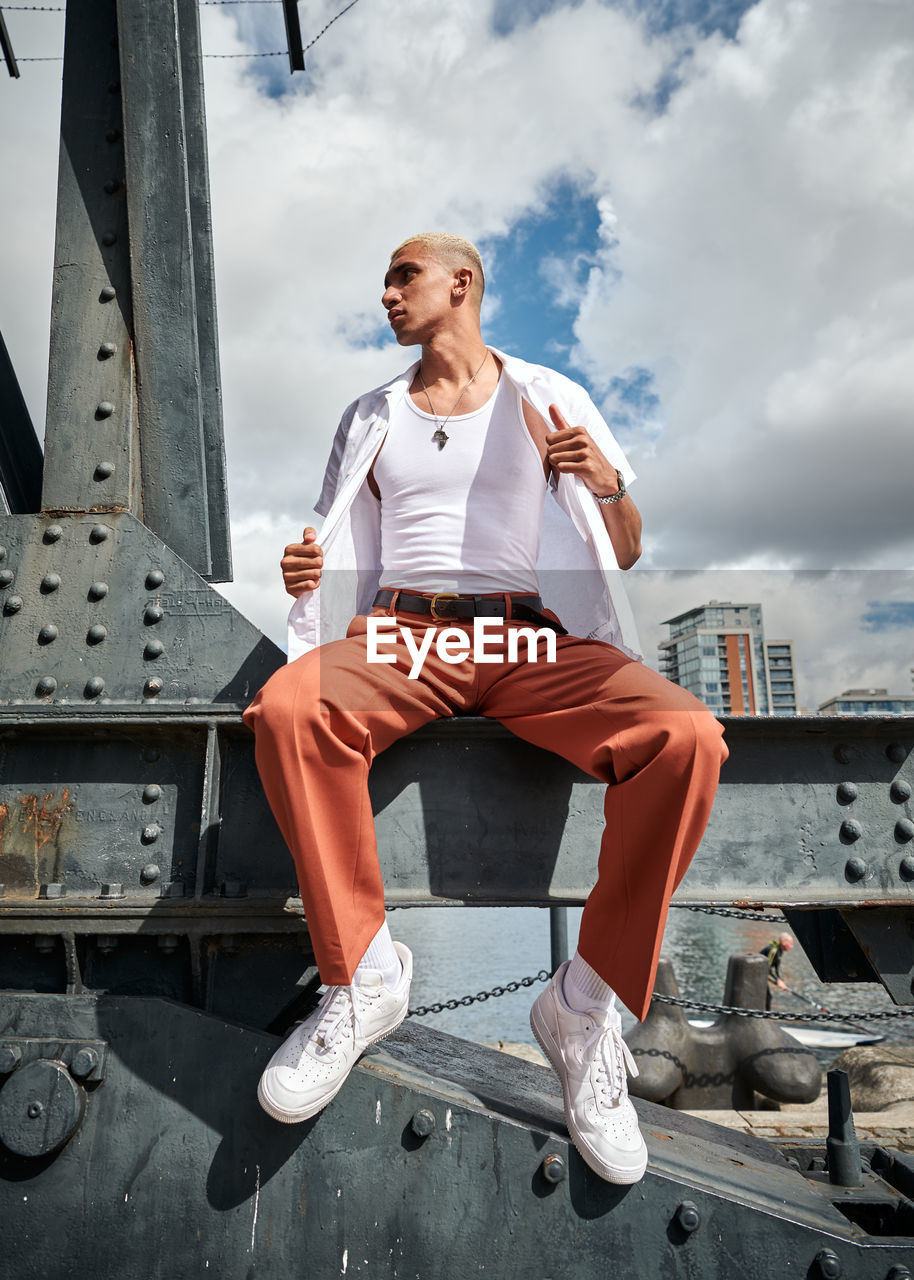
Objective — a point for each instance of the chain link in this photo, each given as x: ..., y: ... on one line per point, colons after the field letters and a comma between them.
x: 422, y: 1010
x: 854, y: 1015
x: 732, y: 913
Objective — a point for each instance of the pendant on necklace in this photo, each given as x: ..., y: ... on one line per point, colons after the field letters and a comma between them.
x: 440, y: 438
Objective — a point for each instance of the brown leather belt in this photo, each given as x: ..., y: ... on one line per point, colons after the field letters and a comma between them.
x: 448, y: 604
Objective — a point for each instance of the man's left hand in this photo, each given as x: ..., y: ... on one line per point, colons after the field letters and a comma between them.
x: 572, y: 450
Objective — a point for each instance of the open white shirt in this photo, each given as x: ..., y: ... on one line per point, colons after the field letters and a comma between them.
x: 579, y: 575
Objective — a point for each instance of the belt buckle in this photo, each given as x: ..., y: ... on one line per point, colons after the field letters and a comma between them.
x: 441, y: 595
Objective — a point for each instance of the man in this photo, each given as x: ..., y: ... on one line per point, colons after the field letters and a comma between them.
x: 436, y: 512
x: 774, y: 951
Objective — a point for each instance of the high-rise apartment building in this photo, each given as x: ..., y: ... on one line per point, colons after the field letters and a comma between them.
x: 868, y: 702
x: 719, y: 652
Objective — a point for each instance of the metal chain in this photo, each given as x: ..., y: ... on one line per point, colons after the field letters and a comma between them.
x: 732, y: 913
x: 422, y: 1010
x: 854, y: 1015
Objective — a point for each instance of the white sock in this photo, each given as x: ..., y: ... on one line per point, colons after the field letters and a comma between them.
x: 381, y: 957
x: 583, y: 988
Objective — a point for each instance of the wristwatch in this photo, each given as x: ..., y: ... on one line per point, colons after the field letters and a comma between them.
x: 614, y: 497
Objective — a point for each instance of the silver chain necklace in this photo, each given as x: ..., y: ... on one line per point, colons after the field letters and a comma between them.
x: 440, y: 436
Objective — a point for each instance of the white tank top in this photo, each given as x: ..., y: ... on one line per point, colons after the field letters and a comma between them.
x: 467, y: 517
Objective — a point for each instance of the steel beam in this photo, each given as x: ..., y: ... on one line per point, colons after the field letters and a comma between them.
x: 20, y: 453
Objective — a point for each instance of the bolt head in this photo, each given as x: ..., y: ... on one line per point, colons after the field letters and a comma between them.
x: 554, y: 1169
x: 829, y: 1264
x: 688, y: 1216
x: 423, y: 1123
x: 854, y: 869
x: 84, y: 1063
x: 10, y: 1057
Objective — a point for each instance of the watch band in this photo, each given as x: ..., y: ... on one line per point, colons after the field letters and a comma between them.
x: 613, y: 497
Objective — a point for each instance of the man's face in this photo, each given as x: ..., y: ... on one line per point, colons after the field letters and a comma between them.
x: 417, y: 295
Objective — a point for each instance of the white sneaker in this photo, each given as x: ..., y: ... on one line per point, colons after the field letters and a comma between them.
x: 311, y: 1066
x: 590, y: 1058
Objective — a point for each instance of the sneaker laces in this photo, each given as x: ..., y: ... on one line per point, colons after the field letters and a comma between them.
x: 341, y: 1010
x: 611, y: 1056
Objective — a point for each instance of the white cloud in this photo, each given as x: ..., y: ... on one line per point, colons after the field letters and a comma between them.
x: 756, y: 256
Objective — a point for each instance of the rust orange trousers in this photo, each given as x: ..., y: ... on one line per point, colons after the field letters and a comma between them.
x: 320, y: 721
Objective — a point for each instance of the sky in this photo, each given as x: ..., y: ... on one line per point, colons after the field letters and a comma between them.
x: 701, y: 210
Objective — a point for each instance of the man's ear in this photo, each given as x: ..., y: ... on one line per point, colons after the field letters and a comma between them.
x: 462, y: 280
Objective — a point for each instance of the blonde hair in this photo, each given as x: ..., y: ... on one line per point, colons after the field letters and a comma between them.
x: 451, y: 251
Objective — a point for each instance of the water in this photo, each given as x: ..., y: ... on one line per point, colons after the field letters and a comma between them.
x: 462, y: 950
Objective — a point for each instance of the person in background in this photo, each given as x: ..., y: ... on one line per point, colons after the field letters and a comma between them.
x: 774, y: 950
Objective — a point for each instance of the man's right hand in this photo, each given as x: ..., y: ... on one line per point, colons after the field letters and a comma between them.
x: 301, y: 564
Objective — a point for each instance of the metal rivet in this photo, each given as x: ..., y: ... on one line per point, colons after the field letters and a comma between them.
x: 94, y: 686
x: 688, y: 1217
x: 53, y: 533
x: 104, y: 409
x: 98, y: 590
x: 103, y: 471
x: 153, y: 687
x: 855, y: 869
x: 150, y: 873
x: 109, y: 238
x: 829, y: 1264
x: 10, y: 1057
x: 12, y: 604
x: 98, y: 533
x: 896, y: 752
x: 152, y: 793
x: 84, y: 1063
x: 108, y: 293
x: 113, y: 890
x: 899, y: 1272
x: 45, y: 686
x: 906, y: 868
x: 111, y: 186
x: 6, y: 578
x: 2, y: 554
x: 154, y: 578
x: 152, y: 615
x: 107, y: 350
x: 154, y: 649
x: 904, y: 830
x: 422, y: 1123
x: 48, y: 634
x: 50, y: 582
x: 233, y: 889
x: 847, y: 792
x: 899, y: 791
x: 851, y: 830
x: 52, y: 890
x: 554, y: 1169
x: 96, y: 634
x: 150, y: 833
x: 843, y: 753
